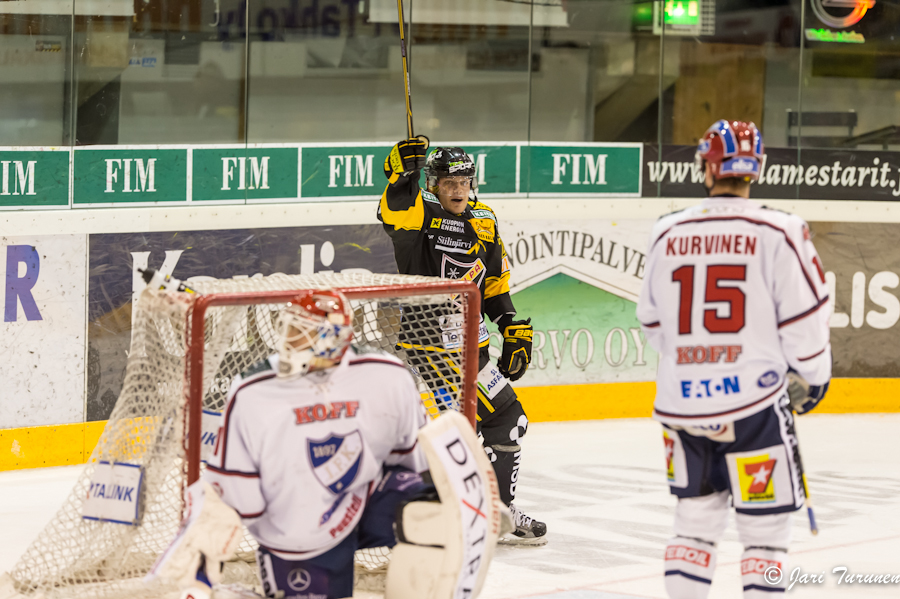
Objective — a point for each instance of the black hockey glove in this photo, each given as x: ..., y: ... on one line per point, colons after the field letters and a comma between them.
x: 407, y: 156
x: 804, y: 397
x: 516, y: 355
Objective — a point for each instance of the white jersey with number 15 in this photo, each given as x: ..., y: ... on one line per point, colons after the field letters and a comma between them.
x: 733, y: 295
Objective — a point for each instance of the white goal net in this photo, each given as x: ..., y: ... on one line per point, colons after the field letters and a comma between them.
x: 425, y: 321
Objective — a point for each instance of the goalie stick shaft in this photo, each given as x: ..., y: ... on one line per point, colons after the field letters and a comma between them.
x: 403, y: 53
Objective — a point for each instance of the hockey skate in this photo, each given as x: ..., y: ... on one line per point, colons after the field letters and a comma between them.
x: 528, y: 530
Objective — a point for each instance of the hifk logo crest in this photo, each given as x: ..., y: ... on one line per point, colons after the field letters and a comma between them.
x: 336, y: 460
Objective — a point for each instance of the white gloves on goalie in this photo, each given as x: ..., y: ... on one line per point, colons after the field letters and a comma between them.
x: 211, y: 531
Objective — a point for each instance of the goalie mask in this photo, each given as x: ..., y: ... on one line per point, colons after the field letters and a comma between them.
x: 314, y: 331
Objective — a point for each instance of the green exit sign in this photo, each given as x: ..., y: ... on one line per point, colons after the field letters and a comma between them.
x: 682, y: 13
x: 679, y: 17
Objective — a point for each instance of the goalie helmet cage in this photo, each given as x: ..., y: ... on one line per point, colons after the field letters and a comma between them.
x: 185, y: 350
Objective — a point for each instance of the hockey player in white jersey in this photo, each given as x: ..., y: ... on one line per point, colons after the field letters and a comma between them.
x: 734, y: 300
x: 320, y: 446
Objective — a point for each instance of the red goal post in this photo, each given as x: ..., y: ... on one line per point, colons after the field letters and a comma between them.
x: 194, y: 390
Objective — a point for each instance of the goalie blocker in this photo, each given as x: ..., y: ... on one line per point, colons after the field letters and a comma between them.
x: 446, y: 540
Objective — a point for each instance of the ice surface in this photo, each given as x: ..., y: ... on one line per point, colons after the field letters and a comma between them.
x: 600, y: 486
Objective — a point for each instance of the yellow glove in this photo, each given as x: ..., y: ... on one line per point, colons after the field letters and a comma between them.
x: 407, y: 156
x: 517, y: 338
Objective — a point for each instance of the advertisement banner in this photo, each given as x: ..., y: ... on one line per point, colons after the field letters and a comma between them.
x: 34, y: 178
x: 129, y: 176
x: 43, y: 330
x: 114, y: 282
x: 819, y: 174
x: 343, y: 172
x: 111, y: 176
x: 579, y: 282
x: 587, y: 169
x: 242, y: 173
x: 863, y: 274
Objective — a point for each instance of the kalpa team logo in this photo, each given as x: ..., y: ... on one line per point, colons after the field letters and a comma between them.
x: 336, y: 460
x: 463, y: 271
x: 756, y: 479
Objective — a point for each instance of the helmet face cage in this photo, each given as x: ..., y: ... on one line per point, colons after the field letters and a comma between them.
x: 450, y: 162
x: 315, y: 325
x: 733, y: 149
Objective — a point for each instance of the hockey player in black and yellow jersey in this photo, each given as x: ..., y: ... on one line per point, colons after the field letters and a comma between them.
x: 445, y: 231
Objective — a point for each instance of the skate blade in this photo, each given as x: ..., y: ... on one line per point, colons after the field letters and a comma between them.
x: 523, y: 542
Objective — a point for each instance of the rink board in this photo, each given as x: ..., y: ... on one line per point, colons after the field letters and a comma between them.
x: 577, y: 277
x: 62, y: 445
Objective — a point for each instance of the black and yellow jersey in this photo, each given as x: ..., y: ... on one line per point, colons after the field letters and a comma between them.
x: 430, y: 241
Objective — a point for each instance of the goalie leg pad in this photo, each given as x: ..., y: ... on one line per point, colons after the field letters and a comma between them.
x: 456, y: 536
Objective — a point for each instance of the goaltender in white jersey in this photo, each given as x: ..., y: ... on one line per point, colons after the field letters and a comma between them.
x: 322, y: 446
x: 356, y: 418
x: 734, y: 295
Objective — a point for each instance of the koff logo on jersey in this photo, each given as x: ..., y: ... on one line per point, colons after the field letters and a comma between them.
x: 755, y: 474
x: 698, y: 354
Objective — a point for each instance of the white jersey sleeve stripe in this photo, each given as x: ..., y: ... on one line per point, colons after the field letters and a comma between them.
x: 224, y: 472
x: 405, y: 451
x: 801, y: 316
x: 815, y: 355
x: 714, y: 219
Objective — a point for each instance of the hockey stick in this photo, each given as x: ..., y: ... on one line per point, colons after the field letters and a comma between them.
x: 813, y: 527
x: 409, y: 119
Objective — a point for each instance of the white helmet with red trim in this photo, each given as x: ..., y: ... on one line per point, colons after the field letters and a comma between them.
x: 314, y: 331
x: 733, y: 149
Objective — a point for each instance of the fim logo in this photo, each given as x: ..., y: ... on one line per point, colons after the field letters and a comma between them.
x: 355, y: 170
x: 144, y: 179
x: 256, y: 167
x: 593, y: 173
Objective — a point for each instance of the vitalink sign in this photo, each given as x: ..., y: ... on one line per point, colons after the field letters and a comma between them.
x: 820, y: 174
